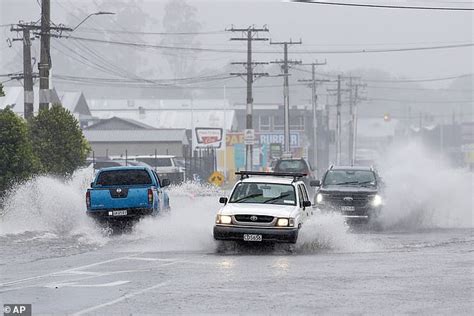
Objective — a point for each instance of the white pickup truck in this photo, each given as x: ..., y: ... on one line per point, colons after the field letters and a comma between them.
x: 264, y: 206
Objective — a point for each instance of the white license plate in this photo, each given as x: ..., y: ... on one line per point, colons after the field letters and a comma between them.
x: 348, y: 208
x: 119, y: 213
x: 252, y: 237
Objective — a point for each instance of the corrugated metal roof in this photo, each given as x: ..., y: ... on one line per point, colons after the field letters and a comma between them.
x: 69, y: 99
x: 169, y: 104
x: 186, y: 119
x: 148, y: 135
x: 14, y: 98
x: 114, y: 119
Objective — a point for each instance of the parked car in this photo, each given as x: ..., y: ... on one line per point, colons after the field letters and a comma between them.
x: 104, y: 162
x: 264, y: 206
x: 353, y: 191
x: 126, y: 193
x: 165, y: 166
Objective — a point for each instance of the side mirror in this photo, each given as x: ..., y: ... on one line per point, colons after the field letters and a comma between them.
x: 306, y: 203
x: 223, y: 200
x: 165, y: 182
x: 315, y: 183
x: 92, y: 184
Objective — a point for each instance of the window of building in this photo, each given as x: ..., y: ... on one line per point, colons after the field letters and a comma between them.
x: 297, y: 122
x: 278, y: 123
x: 264, y: 123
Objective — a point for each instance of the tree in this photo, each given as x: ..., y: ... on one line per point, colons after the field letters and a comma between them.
x: 17, y: 160
x: 58, y: 141
x: 180, y: 17
x: 2, y: 93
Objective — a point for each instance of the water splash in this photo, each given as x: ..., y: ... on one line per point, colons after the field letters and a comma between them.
x: 423, y: 191
x: 330, y: 231
x: 48, y: 204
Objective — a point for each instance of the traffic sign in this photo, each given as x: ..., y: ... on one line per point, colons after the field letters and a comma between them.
x: 216, y: 178
x: 249, y: 137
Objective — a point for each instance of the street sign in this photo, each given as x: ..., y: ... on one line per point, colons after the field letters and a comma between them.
x: 249, y: 137
x: 216, y: 178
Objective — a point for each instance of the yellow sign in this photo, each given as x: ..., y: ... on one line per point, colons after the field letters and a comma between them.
x: 216, y: 178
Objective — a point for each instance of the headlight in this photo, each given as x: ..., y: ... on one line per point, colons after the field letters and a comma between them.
x: 223, y: 219
x: 282, y: 222
x: 319, y: 198
x: 377, y: 201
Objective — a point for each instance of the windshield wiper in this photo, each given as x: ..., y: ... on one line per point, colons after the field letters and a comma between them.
x: 247, y: 197
x: 277, y: 198
x: 367, y: 182
x: 348, y: 182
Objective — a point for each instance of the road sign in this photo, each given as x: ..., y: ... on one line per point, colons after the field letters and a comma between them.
x: 249, y: 137
x: 216, y: 178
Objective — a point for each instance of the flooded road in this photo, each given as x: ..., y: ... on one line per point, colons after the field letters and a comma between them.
x: 171, y: 264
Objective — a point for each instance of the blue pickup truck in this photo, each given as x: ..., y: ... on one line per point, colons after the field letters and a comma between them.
x: 124, y: 194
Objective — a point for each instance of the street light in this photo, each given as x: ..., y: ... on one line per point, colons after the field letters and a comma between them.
x: 96, y: 13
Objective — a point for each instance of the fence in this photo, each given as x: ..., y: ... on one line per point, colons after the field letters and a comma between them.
x: 199, y: 164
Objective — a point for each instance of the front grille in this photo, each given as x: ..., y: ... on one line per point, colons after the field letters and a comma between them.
x: 254, y: 218
x: 349, y: 199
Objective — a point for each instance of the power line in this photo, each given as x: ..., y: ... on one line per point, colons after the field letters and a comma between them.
x: 184, y: 81
x: 229, y: 50
x: 365, y: 5
x: 391, y: 80
x: 415, y: 101
x: 419, y: 89
x: 98, y: 30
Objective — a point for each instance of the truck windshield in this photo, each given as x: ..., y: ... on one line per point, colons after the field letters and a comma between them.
x: 349, y: 177
x: 157, y: 162
x: 123, y: 177
x: 264, y: 193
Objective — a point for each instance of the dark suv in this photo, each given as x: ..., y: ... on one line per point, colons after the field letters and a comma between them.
x: 355, y: 192
x: 295, y: 165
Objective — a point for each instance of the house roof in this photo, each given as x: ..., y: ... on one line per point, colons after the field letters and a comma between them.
x: 150, y: 104
x: 145, y: 135
x: 74, y: 101
x: 114, y: 120
x: 186, y: 119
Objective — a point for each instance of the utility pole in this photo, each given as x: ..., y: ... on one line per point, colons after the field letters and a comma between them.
x: 28, y: 94
x: 352, y: 118
x: 45, y: 58
x: 286, y: 89
x: 314, y: 100
x: 355, y: 120
x: 250, y: 34
x: 338, y: 121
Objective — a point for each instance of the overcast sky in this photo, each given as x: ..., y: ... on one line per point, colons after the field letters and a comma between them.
x: 320, y: 28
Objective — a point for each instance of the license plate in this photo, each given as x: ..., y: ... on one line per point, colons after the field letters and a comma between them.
x: 252, y: 237
x: 119, y: 213
x: 348, y: 208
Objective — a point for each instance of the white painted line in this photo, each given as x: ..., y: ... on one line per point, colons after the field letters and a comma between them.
x: 74, y: 284
x: 93, y: 308
x: 72, y: 270
x: 143, y: 259
x: 152, y: 259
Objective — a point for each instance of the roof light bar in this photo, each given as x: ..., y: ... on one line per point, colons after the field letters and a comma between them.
x: 247, y: 174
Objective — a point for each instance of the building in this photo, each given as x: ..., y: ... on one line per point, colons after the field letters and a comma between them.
x: 125, y: 137
x: 268, y: 123
x: 74, y: 101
